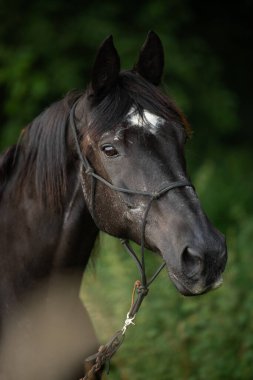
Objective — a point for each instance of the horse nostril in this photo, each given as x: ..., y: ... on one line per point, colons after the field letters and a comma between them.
x: 192, y: 263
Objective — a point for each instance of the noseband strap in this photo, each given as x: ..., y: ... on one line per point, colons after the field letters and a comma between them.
x: 143, y: 285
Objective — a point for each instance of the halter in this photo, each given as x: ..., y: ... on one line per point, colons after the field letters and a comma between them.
x: 106, y: 352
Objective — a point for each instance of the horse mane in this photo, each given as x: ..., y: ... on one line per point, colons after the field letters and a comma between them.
x: 41, y: 154
x: 43, y: 143
x: 7, y: 163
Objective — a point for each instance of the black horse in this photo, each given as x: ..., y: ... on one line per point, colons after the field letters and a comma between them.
x: 52, y: 207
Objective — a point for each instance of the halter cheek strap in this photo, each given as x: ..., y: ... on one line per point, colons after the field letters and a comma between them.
x: 106, y: 352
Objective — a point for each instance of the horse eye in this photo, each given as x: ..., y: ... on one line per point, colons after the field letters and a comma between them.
x: 109, y: 150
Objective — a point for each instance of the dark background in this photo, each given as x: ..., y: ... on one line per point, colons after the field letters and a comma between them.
x: 47, y: 48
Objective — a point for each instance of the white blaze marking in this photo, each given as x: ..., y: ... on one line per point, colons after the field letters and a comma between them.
x: 148, y: 120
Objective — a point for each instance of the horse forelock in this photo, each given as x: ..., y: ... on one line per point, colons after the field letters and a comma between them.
x: 133, y: 96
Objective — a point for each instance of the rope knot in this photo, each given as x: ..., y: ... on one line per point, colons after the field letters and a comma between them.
x: 156, y: 195
x: 142, y: 290
x: 89, y: 171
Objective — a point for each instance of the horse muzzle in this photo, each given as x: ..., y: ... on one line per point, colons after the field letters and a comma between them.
x: 199, y: 271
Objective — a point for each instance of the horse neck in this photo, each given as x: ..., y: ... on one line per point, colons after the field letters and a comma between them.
x: 78, y: 232
x: 39, y: 239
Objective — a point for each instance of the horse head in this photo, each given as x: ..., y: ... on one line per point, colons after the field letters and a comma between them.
x: 132, y: 135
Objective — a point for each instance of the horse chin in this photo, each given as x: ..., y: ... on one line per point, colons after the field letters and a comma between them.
x: 193, y: 290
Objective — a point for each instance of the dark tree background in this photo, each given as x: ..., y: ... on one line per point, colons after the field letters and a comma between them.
x: 46, y: 49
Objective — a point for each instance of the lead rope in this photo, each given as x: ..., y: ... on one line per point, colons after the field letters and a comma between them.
x: 106, y: 352
x: 141, y: 287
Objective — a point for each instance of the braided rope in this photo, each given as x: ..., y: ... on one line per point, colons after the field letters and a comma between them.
x: 104, y: 354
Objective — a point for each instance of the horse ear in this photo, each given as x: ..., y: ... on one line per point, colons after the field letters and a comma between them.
x: 151, y: 59
x: 106, y: 68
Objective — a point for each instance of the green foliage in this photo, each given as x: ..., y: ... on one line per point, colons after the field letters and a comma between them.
x: 46, y: 49
x: 51, y: 53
